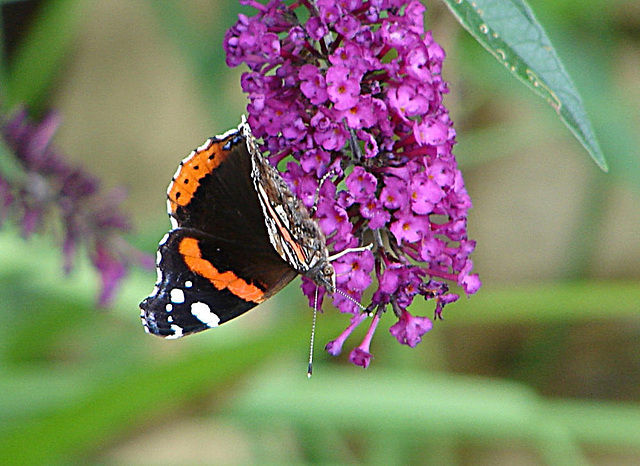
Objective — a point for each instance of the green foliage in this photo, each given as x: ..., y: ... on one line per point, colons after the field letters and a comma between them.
x: 40, y: 57
x: 76, y: 382
x: 510, y: 32
x: 75, y: 379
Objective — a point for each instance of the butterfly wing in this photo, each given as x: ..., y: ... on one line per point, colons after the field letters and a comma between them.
x: 204, y: 282
x: 218, y: 261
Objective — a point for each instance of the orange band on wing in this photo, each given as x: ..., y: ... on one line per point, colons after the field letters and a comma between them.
x: 190, y: 251
x: 192, y: 170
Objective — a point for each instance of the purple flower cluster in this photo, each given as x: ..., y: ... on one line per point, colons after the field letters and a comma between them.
x: 352, y: 97
x: 44, y: 187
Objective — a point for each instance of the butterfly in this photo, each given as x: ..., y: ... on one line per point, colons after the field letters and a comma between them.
x: 239, y: 235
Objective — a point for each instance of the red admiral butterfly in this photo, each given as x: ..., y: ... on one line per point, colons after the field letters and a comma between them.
x: 239, y: 236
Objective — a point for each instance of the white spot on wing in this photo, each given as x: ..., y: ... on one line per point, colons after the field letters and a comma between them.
x: 188, y: 284
x: 169, y: 307
x: 202, y: 312
x: 177, y: 296
x: 204, y: 146
x: 179, y: 169
x: 164, y: 239
x: 177, y: 332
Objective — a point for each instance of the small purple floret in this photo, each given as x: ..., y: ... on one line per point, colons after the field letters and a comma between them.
x: 334, y: 347
x: 361, y: 356
x: 409, y: 329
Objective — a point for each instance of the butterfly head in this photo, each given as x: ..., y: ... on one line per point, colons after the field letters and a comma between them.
x: 326, y: 276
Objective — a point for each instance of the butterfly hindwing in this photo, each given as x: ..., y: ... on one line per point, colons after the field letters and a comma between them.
x: 197, y: 288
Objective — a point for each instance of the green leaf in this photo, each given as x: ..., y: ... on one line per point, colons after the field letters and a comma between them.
x: 477, y: 408
x: 510, y: 32
x: 40, y: 55
x: 200, y: 43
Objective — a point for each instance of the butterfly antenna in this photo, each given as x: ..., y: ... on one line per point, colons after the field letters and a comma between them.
x: 327, y: 175
x: 350, y: 250
x: 351, y: 298
x: 313, y: 334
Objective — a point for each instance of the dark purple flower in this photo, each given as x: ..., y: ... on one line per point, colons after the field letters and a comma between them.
x: 353, y: 98
x: 373, y: 210
x: 316, y: 28
x: 353, y: 271
x: 409, y: 99
x: 361, y: 184
x: 362, y: 114
x: 112, y: 270
x: 409, y: 329
x: 332, y: 218
x: 361, y: 355
x: 431, y: 132
x: 315, y: 160
x: 343, y: 87
x: 48, y: 187
x: 312, y: 84
x: 408, y: 226
x: 394, y: 195
x: 326, y: 133
x: 334, y: 347
x: 442, y: 301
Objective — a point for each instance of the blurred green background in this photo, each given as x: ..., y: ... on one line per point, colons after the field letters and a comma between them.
x: 541, y: 367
